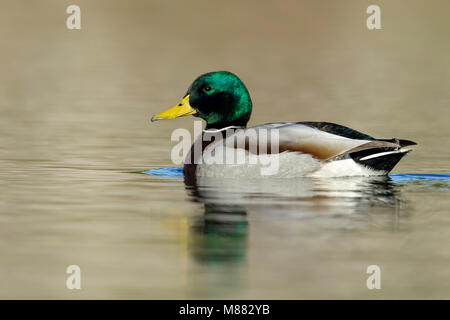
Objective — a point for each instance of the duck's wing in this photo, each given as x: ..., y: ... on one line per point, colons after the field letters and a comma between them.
x: 323, y: 140
x: 337, y: 129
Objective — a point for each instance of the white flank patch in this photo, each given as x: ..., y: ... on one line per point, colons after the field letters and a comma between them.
x: 290, y: 165
x: 344, y: 168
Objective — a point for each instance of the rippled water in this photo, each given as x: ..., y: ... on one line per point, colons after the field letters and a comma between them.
x: 85, y: 179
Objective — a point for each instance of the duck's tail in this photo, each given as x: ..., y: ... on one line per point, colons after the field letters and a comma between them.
x: 383, y: 158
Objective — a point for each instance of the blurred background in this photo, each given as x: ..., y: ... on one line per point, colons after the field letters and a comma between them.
x: 74, y: 128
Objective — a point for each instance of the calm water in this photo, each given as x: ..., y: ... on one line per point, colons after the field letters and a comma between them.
x: 85, y: 179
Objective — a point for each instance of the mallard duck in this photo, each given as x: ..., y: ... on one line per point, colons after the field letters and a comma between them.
x: 315, y: 149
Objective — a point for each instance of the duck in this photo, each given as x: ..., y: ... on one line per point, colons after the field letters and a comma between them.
x: 294, y: 149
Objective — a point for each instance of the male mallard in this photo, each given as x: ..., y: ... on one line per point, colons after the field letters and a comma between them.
x: 305, y: 148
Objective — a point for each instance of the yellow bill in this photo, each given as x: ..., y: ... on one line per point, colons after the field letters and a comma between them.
x: 180, y: 110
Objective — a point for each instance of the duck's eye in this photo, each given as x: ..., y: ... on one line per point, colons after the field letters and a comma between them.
x: 207, y: 88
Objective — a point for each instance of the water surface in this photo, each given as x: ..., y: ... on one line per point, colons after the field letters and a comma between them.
x: 75, y: 137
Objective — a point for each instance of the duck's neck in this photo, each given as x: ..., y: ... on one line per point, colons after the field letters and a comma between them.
x: 223, y: 125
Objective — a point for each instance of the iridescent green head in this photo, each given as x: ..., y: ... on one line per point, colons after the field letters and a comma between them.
x: 220, y: 98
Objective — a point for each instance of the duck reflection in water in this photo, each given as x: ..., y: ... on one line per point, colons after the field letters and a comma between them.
x: 307, y: 206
